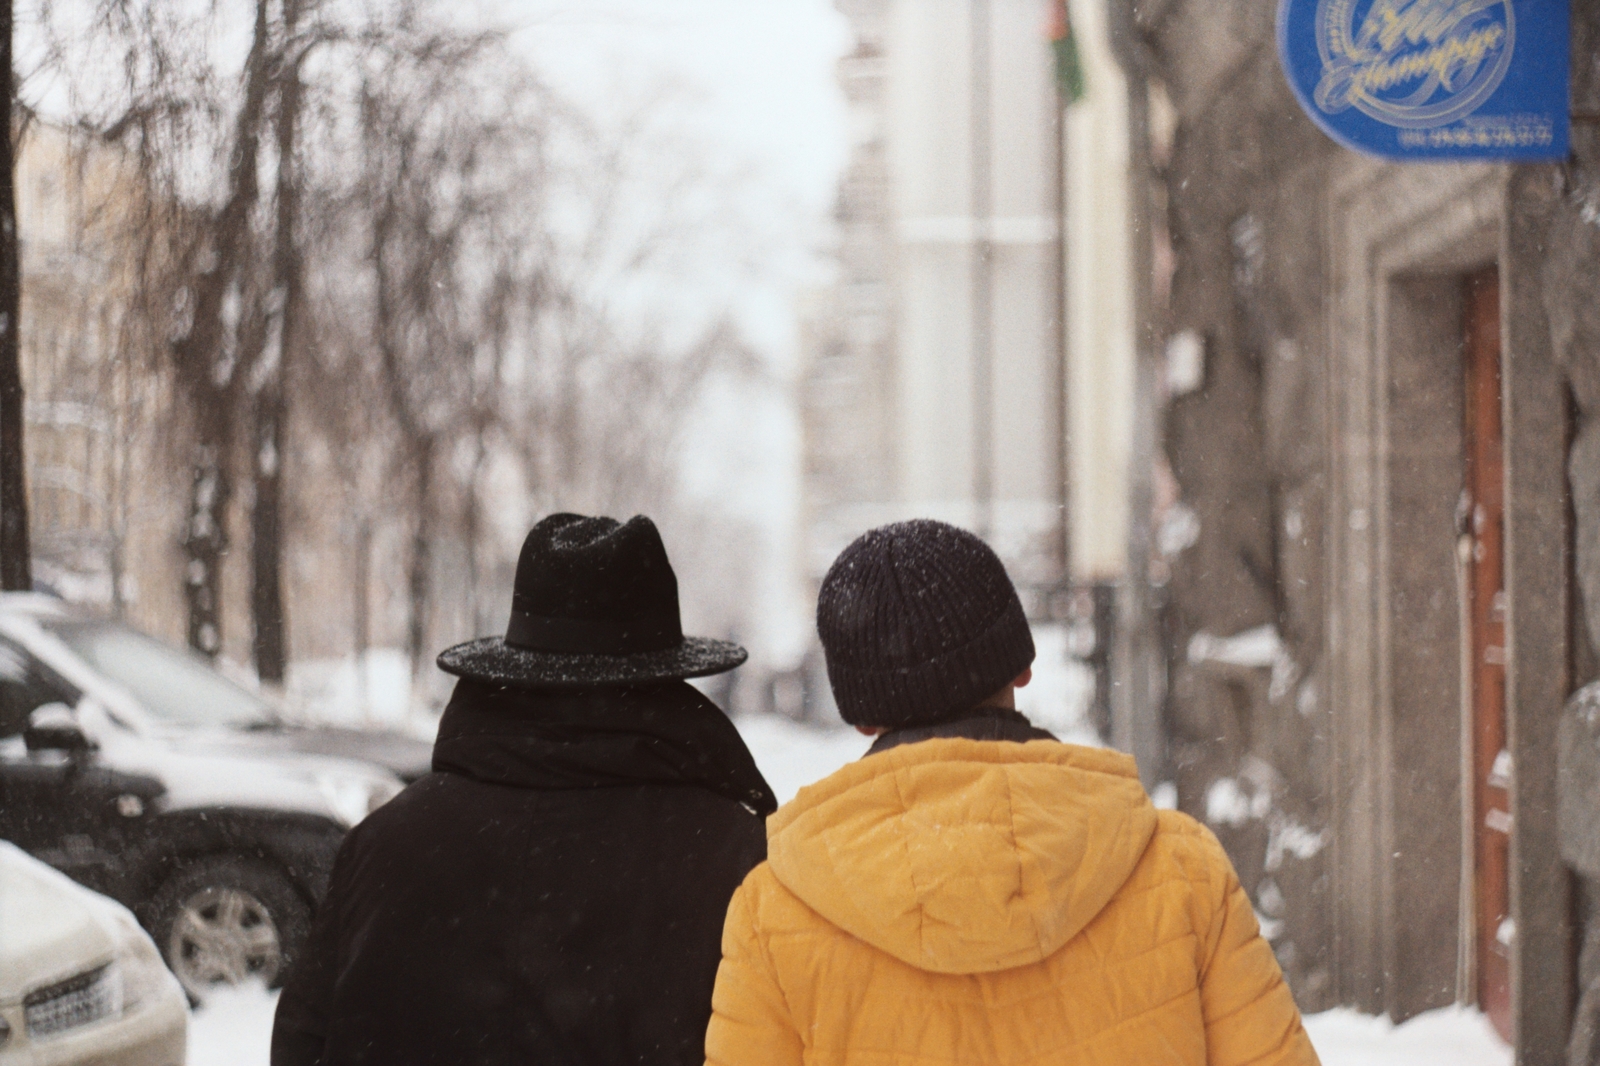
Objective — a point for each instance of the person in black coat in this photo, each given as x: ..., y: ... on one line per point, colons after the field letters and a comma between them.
x: 554, y: 892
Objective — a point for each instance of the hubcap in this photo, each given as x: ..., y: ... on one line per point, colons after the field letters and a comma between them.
x: 223, y: 936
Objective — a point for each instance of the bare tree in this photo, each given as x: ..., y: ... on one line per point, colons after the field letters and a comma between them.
x: 235, y: 322
x: 442, y: 159
x: 207, y: 355
x: 173, y: 108
x: 15, y: 555
x: 377, y: 237
x: 285, y: 312
x: 632, y: 216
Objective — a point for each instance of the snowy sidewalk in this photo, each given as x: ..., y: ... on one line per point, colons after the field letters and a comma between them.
x: 236, y: 1030
x: 1454, y: 1036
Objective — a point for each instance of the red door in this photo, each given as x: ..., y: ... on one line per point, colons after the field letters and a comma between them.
x: 1485, y: 475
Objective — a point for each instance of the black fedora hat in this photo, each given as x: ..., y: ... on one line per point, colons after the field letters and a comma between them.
x: 595, y: 603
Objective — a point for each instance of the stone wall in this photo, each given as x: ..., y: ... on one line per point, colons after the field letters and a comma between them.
x: 1247, y: 206
x: 1570, y: 269
x: 1243, y: 624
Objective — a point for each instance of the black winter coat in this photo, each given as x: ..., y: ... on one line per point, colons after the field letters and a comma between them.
x: 553, y: 893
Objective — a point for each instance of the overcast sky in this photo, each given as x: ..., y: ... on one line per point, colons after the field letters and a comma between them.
x: 765, y: 68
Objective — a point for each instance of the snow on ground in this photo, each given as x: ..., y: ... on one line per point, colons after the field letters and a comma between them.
x: 374, y: 692
x: 1457, y: 1036
x: 234, y: 1029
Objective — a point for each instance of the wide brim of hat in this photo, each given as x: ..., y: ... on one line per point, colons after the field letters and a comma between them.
x: 491, y: 659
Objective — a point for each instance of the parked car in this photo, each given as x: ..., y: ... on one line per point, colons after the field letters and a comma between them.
x: 142, y: 772
x: 80, y: 982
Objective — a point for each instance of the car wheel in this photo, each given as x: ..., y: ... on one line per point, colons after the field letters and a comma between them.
x: 228, y: 920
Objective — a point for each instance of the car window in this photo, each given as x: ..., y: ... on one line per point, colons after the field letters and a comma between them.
x: 25, y: 687
x: 176, y: 686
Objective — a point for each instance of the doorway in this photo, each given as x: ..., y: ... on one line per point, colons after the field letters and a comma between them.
x: 1483, y: 518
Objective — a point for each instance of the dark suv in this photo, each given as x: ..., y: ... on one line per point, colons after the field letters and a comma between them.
x: 142, y: 772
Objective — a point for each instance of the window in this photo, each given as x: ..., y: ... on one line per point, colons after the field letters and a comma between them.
x: 24, y: 687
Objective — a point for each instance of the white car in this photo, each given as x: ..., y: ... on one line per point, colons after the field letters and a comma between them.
x: 81, y: 984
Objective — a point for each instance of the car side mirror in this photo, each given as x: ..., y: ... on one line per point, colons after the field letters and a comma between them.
x: 53, y: 727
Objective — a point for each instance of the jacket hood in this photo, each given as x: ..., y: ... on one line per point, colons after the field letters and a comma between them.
x: 963, y: 856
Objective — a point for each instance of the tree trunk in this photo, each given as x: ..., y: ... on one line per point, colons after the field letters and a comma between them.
x: 362, y: 619
x: 472, y: 526
x: 419, y: 579
x: 266, y: 531
x: 206, y: 540
x: 271, y: 402
x: 16, y: 570
x: 207, y: 362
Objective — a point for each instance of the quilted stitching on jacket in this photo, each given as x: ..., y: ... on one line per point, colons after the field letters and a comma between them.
x: 958, y: 901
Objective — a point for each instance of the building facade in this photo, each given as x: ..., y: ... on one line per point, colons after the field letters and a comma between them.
x: 931, y: 385
x: 99, y: 420
x: 1379, y: 386
x: 973, y: 360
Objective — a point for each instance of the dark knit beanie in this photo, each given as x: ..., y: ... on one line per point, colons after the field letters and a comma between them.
x: 919, y: 623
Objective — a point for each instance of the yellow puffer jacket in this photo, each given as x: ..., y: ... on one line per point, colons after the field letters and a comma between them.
x: 961, y: 901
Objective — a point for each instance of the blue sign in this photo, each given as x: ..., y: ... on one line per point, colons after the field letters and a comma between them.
x: 1432, y: 79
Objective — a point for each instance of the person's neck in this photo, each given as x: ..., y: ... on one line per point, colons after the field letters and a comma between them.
x: 1005, y: 699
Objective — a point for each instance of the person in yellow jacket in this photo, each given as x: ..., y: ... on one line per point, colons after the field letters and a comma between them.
x: 973, y: 891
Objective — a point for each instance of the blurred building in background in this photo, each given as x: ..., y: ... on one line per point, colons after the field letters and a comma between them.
x: 1378, y: 486
x: 944, y: 375
x: 94, y: 410
x: 107, y: 454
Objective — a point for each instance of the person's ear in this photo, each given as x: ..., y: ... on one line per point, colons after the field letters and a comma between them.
x: 1023, y: 678
x: 872, y: 730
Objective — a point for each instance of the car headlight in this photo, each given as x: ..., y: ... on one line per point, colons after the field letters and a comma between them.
x: 138, y: 972
x: 351, y: 797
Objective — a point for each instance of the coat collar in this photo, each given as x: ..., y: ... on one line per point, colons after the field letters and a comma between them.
x: 984, y: 723
x: 663, y: 734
